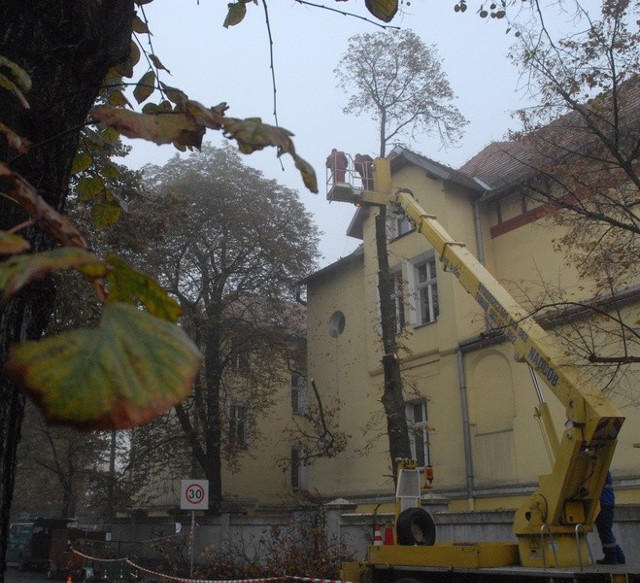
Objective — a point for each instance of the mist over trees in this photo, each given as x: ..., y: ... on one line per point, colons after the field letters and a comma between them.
x: 234, y: 246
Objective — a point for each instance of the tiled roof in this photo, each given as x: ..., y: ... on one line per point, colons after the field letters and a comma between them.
x: 503, y: 165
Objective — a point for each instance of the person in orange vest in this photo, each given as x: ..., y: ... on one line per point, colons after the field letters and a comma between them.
x: 363, y: 164
x: 613, y: 554
x: 337, y: 163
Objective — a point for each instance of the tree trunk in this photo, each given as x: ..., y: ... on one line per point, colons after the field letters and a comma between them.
x: 392, y: 397
x: 66, y: 48
x: 213, y: 423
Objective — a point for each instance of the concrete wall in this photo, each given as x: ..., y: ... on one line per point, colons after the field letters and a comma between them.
x: 355, y: 530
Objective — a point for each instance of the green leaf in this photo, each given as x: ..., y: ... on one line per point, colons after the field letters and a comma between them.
x: 110, y: 135
x: 160, y: 129
x: 130, y: 369
x: 106, y: 214
x: 235, y: 15
x: 80, y: 163
x: 18, y: 271
x: 145, y: 87
x: 385, y: 10
x: 11, y: 244
x: 90, y: 187
x: 128, y: 285
x: 110, y: 170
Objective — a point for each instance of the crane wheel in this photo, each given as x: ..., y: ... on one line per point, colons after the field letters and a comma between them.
x: 415, y: 527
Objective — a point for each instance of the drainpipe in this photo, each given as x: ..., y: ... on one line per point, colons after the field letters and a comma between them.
x: 462, y: 377
x: 466, y: 429
x: 478, y: 229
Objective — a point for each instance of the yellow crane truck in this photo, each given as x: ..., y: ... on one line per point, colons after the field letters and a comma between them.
x: 552, y: 524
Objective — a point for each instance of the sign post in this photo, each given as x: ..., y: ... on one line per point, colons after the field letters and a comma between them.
x: 194, y: 495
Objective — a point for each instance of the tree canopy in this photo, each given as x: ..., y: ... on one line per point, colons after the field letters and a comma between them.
x: 579, y: 151
x: 232, y: 249
x: 398, y: 79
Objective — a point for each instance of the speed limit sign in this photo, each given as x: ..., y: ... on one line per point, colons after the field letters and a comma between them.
x: 194, y: 495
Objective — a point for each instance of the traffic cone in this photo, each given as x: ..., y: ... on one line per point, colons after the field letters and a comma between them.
x: 377, y: 535
x: 69, y: 579
x: 388, y: 534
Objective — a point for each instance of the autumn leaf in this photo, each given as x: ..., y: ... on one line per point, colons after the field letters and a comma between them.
x: 20, y: 76
x: 130, y: 286
x: 307, y: 172
x: 18, y: 82
x: 157, y: 63
x: 138, y: 25
x: 160, y: 129
x: 131, y: 368
x: 19, y: 270
x: 145, y: 87
x: 15, y: 141
x: 252, y: 134
x: 50, y: 220
x: 117, y: 99
x: 177, y: 96
x: 11, y: 244
x: 235, y: 15
x: 385, y: 10
x: 11, y: 87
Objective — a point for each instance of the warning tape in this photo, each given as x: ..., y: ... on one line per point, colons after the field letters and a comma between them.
x: 99, y: 559
x: 185, y: 580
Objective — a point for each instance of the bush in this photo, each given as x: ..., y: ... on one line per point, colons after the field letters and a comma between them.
x: 301, y: 551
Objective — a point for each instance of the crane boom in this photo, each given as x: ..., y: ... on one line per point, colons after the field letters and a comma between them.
x: 566, y: 501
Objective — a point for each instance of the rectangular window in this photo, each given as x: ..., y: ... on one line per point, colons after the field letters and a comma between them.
x: 403, y: 225
x: 241, y: 360
x: 298, y: 468
x: 397, y: 225
x: 418, y: 425
x: 298, y: 394
x: 239, y: 425
x: 426, y: 287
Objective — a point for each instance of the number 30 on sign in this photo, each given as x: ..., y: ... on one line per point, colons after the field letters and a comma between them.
x: 194, y: 494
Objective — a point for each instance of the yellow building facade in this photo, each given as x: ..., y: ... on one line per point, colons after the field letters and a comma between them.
x: 470, y: 405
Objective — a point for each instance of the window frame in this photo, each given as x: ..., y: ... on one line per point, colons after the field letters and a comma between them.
x: 419, y: 428
x: 299, y: 404
x: 430, y: 284
x: 299, y: 474
x: 239, y: 425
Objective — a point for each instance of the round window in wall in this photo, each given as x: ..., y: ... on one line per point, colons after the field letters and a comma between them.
x: 336, y: 324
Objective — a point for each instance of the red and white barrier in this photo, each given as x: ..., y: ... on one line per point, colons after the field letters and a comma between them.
x: 164, y: 576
